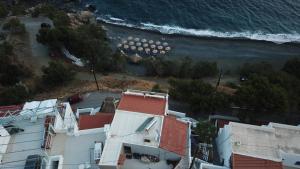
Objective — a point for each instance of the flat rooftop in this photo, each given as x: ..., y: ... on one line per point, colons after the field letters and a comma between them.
x: 76, y: 150
x: 124, y: 129
x: 24, y: 144
x: 265, y: 142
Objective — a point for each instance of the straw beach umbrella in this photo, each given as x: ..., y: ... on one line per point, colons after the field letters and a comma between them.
x: 147, y: 50
x: 130, y: 38
x: 124, y: 41
x: 119, y: 45
x: 145, y: 45
x: 132, y: 47
x: 131, y: 43
x: 157, y: 42
x: 163, y: 52
x: 140, y: 49
x: 154, y: 51
x: 126, y: 46
x: 160, y: 47
x: 138, y: 44
x: 151, y: 41
x: 137, y: 39
x: 144, y: 40
x: 152, y: 46
x: 165, y: 44
x: 168, y: 48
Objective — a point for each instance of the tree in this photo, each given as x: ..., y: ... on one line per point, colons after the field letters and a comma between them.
x: 204, y: 69
x: 259, y: 95
x: 3, y: 10
x: 56, y: 74
x: 206, y: 131
x: 185, y: 68
x: 156, y: 88
x: 292, y: 67
x: 199, y: 95
x: 14, y: 25
x: 14, y: 95
x: 261, y: 68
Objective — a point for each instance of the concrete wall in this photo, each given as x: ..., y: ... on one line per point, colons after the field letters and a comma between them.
x: 224, y: 145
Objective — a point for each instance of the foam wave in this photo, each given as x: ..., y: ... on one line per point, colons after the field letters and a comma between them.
x: 166, y: 29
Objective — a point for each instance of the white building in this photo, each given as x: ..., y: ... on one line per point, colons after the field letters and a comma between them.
x: 143, y: 133
x: 275, y: 146
x: 51, y: 130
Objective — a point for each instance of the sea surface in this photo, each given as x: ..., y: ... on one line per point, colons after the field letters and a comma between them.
x: 268, y: 20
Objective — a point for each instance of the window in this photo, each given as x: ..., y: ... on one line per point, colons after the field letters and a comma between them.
x: 147, y: 140
x: 127, y: 150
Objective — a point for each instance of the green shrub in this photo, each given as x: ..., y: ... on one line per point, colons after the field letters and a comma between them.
x: 56, y: 74
x: 14, y: 95
x: 15, y: 26
x: 3, y: 10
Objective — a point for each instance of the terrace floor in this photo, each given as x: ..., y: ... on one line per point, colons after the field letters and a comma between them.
x: 24, y: 144
x: 76, y: 150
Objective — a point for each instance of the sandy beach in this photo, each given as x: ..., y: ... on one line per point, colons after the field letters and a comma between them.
x: 228, y: 53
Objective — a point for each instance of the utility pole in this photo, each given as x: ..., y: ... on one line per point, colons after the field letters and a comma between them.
x: 219, y: 79
x: 93, y: 71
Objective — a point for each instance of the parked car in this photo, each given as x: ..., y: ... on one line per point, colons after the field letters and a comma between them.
x: 45, y: 25
x: 33, y: 162
x: 75, y: 98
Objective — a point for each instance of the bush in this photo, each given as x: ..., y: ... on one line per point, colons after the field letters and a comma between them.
x: 260, y: 95
x: 182, y: 68
x: 261, y: 68
x: 59, y: 18
x: 3, y: 10
x: 204, y: 69
x: 56, y: 74
x: 14, y: 95
x: 292, y: 67
x: 14, y: 26
x: 206, y: 131
x: 156, y: 88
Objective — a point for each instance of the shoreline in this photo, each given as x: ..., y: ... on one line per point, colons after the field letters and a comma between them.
x: 230, y: 54
x: 196, y: 36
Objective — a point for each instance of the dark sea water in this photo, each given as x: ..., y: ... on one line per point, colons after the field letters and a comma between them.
x: 269, y: 20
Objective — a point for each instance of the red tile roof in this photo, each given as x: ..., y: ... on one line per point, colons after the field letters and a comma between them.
x: 94, y: 121
x: 246, y: 162
x: 174, y: 136
x: 150, y: 105
x: 4, y: 109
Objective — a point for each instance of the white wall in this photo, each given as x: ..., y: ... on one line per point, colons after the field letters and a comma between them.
x: 224, y: 145
x: 69, y: 121
x: 4, y: 140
